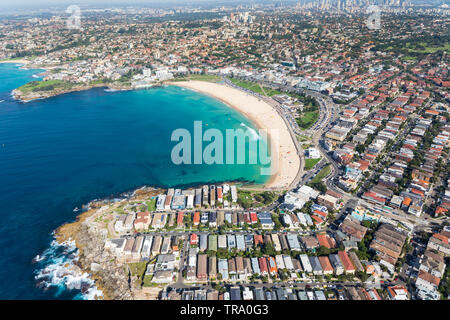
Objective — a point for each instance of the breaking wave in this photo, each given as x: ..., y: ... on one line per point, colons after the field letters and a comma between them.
x: 253, y: 133
x: 57, y: 269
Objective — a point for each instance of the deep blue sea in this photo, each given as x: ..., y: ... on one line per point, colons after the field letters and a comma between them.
x: 59, y: 153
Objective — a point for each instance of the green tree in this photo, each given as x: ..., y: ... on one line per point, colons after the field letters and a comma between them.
x: 269, y: 249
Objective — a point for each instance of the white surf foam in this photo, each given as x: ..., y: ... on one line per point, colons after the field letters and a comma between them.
x: 253, y: 133
x: 57, y: 269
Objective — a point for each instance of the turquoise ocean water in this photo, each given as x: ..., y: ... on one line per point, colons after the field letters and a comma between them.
x: 59, y: 153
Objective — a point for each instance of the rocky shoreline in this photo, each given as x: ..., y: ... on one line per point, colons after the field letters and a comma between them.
x: 110, y: 276
x: 31, y: 96
x: 37, y: 95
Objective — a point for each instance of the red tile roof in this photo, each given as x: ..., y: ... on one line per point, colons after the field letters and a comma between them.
x: 348, y: 265
x: 428, y: 277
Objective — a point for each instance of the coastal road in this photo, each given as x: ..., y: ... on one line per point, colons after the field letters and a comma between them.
x: 328, y: 113
x: 183, y: 260
x: 298, y: 147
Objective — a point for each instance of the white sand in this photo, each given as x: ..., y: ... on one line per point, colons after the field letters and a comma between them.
x: 21, y: 61
x: 263, y: 116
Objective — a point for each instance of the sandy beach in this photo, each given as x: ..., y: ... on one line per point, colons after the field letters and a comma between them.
x: 22, y: 61
x: 263, y: 116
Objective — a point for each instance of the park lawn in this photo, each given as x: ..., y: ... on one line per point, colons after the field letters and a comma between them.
x: 148, y: 281
x: 48, y: 85
x: 245, y: 198
x: 430, y: 49
x: 138, y: 268
x: 307, y: 119
x: 322, y: 174
x: 248, y: 199
x: 272, y: 92
x: 255, y: 87
x: 100, y: 81
x: 120, y: 210
x: 310, y: 163
x: 11, y: 59
x: 408, y: 58
x: 303, y: 138
x: 252, y: 86
x: 151, y: 205
x: 205, y: 77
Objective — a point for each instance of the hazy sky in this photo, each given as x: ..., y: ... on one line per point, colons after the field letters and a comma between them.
x: 68, y: 2
x: 47, y: 3
x: 36, y: 4
x: 43, y: 4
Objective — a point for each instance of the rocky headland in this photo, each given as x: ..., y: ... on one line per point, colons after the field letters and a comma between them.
x: 89, y: 234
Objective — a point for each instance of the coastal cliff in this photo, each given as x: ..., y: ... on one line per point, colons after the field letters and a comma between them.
x: 90, y: 233
x: 110, y: 275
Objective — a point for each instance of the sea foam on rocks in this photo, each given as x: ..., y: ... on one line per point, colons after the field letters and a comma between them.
x: 57, y: 268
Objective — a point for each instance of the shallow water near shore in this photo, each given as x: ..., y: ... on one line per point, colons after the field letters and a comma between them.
x: 59, y: 153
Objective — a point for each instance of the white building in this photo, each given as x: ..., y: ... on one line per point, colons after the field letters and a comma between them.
x: 312, y: 153
x: 190, y: 202
x: 305, y: 263
x: 222, y: 241
x: 160, y: 202
x: 427, y: 286
x: 125, y: 223
x: 163, y: 75
x: 234, y: 195
x: 288, y: 262
x: 146, y: 251
x: 247, y: 294
x: 287, y: 221
x: 279, y: 261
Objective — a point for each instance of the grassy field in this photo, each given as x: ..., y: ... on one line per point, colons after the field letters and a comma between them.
x: 272, y: 92
x: 49, y: 85
x: 248, y: 199
x: 147, y: 281
x: 306, y: 146
x: 100, y: 81
x: 199, y: 77
x: 408, y: 58
x: 303, y: 138
x: 310, y: 163
x: 429, y: 49
x: 307, y: 119
x: 322, y: 174
x: 11, y: 59
x: 151, y: 204
x: 418, y: 47
x: 138, y: 268
x: 255, y: 87
x: 205, y: 77
x: 245, y: 198
x: 252, y: 86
